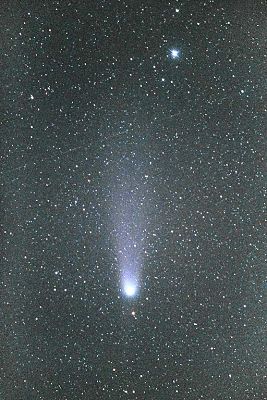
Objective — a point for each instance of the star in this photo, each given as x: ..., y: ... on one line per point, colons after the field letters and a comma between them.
x: 175, y: 53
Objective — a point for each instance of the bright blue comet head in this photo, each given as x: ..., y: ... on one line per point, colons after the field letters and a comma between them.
x: 130, y: 288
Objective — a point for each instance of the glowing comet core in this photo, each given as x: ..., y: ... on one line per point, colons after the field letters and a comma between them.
x: 130, y: 288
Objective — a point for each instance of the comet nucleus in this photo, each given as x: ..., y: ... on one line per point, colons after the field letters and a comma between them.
x: 130, y: 288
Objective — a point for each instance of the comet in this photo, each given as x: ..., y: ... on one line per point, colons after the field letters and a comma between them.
x: 130, y: 288
x: 130, y: 252
x: 129, y: 223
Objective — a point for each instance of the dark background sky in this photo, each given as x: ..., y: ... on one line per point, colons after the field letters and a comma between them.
x: 97, y: 115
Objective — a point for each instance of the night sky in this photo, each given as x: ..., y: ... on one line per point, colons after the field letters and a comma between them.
x: 133, y: 183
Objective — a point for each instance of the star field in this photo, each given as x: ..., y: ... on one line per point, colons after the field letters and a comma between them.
x: 133, y: 200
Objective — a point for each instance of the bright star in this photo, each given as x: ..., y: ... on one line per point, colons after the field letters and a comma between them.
x: 175, y: 53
